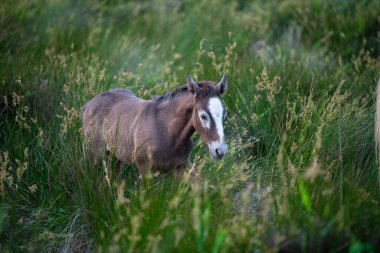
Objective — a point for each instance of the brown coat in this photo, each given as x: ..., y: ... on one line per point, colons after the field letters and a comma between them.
x: 149, y: 133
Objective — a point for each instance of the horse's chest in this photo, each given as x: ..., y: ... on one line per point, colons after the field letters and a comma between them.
x: 172, y: 153
x: 174, y: 150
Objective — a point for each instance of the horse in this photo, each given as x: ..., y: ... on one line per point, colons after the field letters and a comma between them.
x: 156, y: 134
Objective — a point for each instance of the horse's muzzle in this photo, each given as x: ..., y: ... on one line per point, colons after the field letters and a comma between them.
x: 217, y: 150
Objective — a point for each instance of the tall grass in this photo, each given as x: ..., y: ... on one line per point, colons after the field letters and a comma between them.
x: 300, y: 174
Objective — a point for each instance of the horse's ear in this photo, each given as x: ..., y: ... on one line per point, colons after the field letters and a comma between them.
x: 222, y: 85
x: 192, y: 85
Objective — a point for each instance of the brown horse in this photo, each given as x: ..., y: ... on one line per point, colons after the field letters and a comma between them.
x: 156, y: 134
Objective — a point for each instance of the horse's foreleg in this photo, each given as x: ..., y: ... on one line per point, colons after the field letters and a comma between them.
x: 188, y: 170
x: 179, y: 172
x: 119, y: 167
x: 142, y: 166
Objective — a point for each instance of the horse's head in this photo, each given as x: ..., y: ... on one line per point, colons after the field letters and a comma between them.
x: 209, y: 114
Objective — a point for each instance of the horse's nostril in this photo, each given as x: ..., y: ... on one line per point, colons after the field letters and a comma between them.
x: 219, y: 153
x: 217, y: 150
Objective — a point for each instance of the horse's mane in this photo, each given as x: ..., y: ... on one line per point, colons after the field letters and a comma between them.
x: 208, y: 86
x: 180, y: 90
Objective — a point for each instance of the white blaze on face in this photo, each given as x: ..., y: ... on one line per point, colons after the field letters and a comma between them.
x: 215, y: 108
x: 215, y: 113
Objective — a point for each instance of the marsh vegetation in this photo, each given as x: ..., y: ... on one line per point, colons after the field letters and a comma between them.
x: 300, y: 174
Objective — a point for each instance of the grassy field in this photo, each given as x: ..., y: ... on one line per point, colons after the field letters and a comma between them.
x: 300, y: 174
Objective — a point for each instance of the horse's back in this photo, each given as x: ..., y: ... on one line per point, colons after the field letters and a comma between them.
x: 114, y: 96
x: 106, y: 103
x: 107, y: 116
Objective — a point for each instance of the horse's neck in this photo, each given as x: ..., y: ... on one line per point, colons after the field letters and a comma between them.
x: 180, y: 124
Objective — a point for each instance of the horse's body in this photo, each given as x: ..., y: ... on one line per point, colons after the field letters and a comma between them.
x: 153, y: 133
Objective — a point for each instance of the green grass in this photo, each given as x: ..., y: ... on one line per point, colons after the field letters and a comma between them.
x: 300, y: 174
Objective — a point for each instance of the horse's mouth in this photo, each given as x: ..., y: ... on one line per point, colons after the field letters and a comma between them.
x: 217, y: 150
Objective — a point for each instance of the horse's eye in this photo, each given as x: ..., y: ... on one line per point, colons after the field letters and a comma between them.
x: 203, y: 117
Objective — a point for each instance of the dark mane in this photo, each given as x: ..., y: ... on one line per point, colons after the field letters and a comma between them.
x: 207, y: 87
x: 169, y: 95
